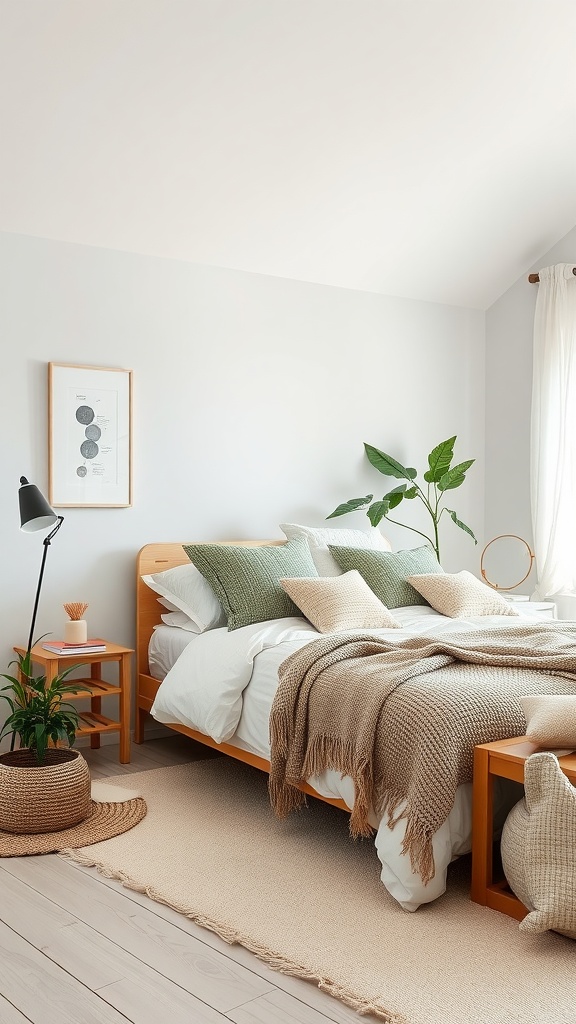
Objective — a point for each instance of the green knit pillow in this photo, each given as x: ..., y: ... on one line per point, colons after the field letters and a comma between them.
x: 245, y: 579
x: 385, y: 572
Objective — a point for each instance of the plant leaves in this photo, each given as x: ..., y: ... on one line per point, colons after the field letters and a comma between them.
x: 387, y: 465
x: 459, y: 523
x: 395, y: 500
x: 451, y: 484
x: 41, y: 741
x: 13, y: 681
x: 455, y: 476
x: 40, y: 712
x: 378, y: 511
x: 439, y: 460
x: 37, y: 683
x: 65, y: 673
x: 411, y: 492
x: 395, y: 496
x: 350, y: 506
x: 68, y: 710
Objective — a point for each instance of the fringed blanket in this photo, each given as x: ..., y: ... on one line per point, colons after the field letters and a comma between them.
x: 402, y: 718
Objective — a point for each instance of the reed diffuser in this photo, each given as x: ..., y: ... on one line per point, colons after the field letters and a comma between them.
x: 75, y: 628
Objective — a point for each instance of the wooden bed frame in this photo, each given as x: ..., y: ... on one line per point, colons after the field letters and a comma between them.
x: 157, y: 558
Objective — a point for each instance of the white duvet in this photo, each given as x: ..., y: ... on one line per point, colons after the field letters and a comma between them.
x: 223, y: 684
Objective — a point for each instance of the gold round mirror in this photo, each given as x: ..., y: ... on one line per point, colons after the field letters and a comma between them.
x: 506, y: 562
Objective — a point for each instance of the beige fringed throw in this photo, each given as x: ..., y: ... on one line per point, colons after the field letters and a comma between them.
x: 402, y: 718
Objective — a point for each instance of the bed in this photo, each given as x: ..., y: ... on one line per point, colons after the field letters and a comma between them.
x: 156, y: 558
x: 169, y: 668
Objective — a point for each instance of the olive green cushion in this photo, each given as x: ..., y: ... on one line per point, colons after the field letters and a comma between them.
x: 386, y: 572
x: 246, y: 579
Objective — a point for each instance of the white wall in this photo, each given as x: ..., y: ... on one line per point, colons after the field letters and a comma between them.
x: 253, y: 396
x: 509, y: 339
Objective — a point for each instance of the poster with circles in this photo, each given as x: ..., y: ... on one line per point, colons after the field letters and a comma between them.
x: 90, y: 442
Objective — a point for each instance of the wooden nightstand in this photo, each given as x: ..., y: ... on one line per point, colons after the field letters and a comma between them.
x: 92, y: 722
x: 504, y: 758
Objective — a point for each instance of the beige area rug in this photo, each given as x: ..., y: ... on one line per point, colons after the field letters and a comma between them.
x: 308, y: 900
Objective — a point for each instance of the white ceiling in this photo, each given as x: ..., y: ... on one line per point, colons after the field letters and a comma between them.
x: 424, y: 148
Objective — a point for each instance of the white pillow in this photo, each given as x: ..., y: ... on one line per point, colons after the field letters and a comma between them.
x: 180, y: 620
x: 168, y: 605
x: 319, y: 538
x: 186, y: 589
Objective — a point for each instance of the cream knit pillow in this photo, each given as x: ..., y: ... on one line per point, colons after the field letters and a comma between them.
x: 550, y: 720
x: 539, y: 848
x: 337, y: 603
x: 460, y: 594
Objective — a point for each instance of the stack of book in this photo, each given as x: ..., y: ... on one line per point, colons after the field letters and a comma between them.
x: 60, y: 647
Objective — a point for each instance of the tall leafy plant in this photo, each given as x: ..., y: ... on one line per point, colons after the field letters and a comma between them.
x: 440, y: 477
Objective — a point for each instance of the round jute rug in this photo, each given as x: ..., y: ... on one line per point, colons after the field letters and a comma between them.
x: 105, y: 820
x: 308, y: 900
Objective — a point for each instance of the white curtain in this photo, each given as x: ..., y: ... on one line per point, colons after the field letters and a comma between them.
x: 553, y: 440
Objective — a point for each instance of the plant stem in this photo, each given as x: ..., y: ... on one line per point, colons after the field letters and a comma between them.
x: 423, y: 498
x: 433, y: 512
x: 436, y: 546
x: 414, y: 530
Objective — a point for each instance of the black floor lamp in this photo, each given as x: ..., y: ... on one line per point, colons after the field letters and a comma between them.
x: 36, y: 514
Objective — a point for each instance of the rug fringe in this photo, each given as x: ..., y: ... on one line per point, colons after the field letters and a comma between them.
x: 231, y: 936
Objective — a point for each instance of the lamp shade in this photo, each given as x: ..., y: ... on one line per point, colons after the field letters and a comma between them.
x: 35, y: 512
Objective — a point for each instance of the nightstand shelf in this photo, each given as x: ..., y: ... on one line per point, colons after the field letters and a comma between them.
x: 94, y: 688
x: 91, y: 721
x: 92, y: 724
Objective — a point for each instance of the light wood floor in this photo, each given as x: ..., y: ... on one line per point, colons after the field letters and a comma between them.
x: 76, y: 948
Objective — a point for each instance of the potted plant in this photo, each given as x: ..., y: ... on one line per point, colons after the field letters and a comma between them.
x: 441, y: 476
x: 42, y: 788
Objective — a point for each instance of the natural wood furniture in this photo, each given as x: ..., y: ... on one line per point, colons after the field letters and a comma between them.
x: 157, y: 558
x: 505, y: 759
x: 92, y: 722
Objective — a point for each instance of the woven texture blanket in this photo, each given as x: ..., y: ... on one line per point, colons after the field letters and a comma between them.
x: 402, y: 718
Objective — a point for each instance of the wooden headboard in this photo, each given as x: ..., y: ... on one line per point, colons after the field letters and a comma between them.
x: 156, y: 558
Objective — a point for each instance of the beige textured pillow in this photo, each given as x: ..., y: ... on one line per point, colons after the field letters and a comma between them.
x: 550, y: 720
x: 337, y: 603
x: 539, y: 848
x: 460, y: 594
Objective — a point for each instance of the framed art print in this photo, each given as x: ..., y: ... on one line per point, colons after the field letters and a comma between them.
x: 90, y: 436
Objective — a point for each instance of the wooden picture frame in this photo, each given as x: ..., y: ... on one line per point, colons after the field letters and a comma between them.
x: 90, y: 436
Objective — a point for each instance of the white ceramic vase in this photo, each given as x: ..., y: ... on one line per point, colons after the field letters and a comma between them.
x: 75, y: 631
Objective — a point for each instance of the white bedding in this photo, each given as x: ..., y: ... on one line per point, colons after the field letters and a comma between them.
x: 222, y: 684
x: 165, y: 647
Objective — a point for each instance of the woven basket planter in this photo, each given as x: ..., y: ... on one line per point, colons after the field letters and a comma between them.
x: 43, y: 798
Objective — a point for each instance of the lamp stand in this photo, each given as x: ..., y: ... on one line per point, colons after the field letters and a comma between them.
x: 46, y: 543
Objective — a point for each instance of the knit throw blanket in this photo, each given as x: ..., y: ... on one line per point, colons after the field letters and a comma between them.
x: 402, y: 718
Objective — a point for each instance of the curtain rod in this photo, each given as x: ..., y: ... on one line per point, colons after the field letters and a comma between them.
x: 534, y: 278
